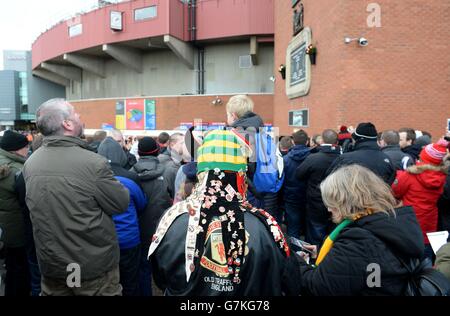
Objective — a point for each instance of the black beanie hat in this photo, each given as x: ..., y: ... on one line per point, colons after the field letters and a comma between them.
x: 12, y: 141
x: 148, y: 147
x: 366, y: 131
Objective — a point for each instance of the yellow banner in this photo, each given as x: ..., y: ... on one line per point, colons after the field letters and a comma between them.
x: 120, y: 121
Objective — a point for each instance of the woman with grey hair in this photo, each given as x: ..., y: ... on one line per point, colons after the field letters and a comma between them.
x: 362, y: 256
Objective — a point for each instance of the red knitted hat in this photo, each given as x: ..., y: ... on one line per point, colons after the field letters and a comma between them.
x: 343, y: 129
x: 434, y: 153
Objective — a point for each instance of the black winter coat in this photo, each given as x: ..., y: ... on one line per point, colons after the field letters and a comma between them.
x: 312, y: 172
x: 374, y: 239
x: 261, y: 274
x: 367, y: 153
x: 413, y: 151
x: 400, y: 160
x: 150, y: 173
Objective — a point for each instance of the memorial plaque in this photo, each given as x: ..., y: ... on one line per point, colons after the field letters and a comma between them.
x: 298, y: 67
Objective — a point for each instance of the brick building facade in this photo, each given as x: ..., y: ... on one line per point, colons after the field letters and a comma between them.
x: 402, y: 78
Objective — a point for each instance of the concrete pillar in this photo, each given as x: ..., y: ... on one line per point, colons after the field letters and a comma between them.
x: 130, y: 57
x: 50, y: 76
x: 92, y: 64
x: 183, y: 50
x: 68, y: 72
x: 254, y: 50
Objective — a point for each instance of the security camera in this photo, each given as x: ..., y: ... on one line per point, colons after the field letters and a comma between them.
x: 363, y: 41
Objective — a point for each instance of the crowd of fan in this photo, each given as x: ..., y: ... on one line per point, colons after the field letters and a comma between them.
x: 127, y: 210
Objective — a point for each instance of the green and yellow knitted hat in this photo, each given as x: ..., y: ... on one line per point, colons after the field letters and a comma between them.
x: 225, y: 150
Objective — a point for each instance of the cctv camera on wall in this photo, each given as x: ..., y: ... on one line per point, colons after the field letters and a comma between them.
x: 363, y: 41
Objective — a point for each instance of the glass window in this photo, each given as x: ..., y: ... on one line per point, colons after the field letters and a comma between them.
x: 145, y: 13
x: 22, y: 75
x: 75, y: 30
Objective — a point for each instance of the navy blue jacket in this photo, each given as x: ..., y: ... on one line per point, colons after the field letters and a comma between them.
x: 294, y: 190
x: 127, y: 225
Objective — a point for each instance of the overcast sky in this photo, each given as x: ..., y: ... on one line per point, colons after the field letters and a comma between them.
x: 21, y: 21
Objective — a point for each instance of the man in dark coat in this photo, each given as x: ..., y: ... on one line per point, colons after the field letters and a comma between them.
x: 172, y: 159
x: 150, y: 173
x: 13, y: 152
x: 294, y: 191
x: 312, y: 171
x: 118, y: 137
x: 390, y: 146
x: 407, y: 143
x: 98, y: 137
x: 163, y: 142
x: 72, y: 195
x: 367, y: 153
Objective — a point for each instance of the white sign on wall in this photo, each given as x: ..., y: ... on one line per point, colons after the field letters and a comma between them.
x: 75, y: 30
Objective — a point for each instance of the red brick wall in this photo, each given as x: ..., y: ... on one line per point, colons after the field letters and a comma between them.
x: 170, y: 111
x: 402, y: 78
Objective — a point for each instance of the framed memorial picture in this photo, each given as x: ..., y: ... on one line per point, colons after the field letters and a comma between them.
x: 299, y: 118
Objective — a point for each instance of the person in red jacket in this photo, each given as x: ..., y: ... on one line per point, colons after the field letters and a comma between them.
x: 421, y: 185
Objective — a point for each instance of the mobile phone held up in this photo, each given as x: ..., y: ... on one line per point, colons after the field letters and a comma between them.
x: 298, y: 245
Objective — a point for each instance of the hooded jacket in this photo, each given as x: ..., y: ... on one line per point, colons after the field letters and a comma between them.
x: 247, y: 120
x: 294, y: 190
x: 171, y: 167
x: 11, y: 218
x: 367, y: 153
x: 312, y: 171
x: 375, y: 239
x: 150, y: 172
x: 420, y: 186
x: 127, y: 225
x: 72, y: 195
